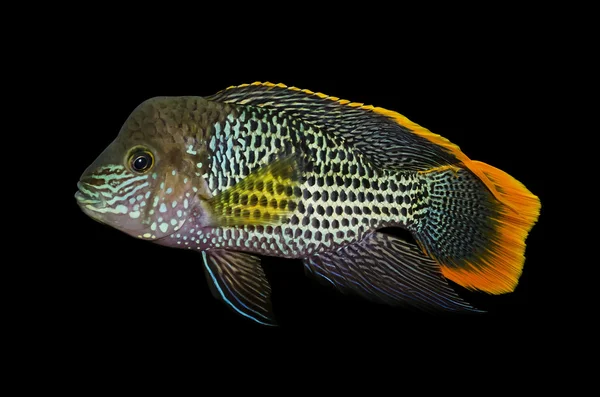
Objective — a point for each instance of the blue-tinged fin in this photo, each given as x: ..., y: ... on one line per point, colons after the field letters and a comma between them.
x: 387, y: 270
x: 239, y: 280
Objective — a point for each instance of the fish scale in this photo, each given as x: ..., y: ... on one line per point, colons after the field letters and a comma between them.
x: 334, y: 221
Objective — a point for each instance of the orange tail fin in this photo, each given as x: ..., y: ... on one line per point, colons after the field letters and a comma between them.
x: 479, y: 240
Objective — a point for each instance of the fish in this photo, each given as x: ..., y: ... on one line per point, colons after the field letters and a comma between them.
x: 268, y: 170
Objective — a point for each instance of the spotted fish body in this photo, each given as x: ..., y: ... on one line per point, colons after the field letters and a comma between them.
x: 264, y: 169
x: 341, y: 196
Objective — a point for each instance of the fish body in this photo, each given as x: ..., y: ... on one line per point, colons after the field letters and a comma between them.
x: 265, y: 169
x: 340, y: 197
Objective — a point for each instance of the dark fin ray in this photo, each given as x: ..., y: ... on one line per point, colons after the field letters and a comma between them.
x: 264, y: 197
x: 384, y: 141
x: 479, y: 241
x: 388, y: 270
x: 239, y: 280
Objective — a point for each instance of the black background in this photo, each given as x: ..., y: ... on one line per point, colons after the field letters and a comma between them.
x: 116, y: 292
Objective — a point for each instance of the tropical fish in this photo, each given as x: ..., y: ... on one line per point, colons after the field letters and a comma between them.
x: 264, y: 169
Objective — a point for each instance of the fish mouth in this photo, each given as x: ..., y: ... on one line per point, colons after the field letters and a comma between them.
x: 85, y: 196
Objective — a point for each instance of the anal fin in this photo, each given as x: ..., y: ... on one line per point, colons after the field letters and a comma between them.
x: 239, y: 280
x: 388, y: 270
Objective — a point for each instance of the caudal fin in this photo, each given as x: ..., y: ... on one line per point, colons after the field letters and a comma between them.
x: 478, y: 240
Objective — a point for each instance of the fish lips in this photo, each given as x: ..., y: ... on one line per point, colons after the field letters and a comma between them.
x: 85, y: 196
x: 87, y: 200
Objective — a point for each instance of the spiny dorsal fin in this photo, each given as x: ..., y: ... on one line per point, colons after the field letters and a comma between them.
x: 387, y: 138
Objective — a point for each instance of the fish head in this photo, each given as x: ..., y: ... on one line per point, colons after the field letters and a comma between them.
x: 143, y: 182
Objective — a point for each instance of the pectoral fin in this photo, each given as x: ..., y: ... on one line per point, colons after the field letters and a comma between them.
x: 388, y: 270
x: 239, y: 280
x: 265, y: 197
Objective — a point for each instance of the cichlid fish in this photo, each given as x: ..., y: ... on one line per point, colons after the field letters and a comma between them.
x: 266, y: 169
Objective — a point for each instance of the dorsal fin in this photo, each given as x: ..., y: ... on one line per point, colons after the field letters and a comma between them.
x: 387, y: 138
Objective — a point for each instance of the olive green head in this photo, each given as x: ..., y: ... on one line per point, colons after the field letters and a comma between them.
x: 144, y: 182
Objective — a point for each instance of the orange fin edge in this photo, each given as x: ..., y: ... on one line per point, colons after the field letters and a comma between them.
x: 445, y: 143
x: 499, y: 271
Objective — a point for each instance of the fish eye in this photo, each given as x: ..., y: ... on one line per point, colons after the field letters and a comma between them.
x: 141, y: 160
